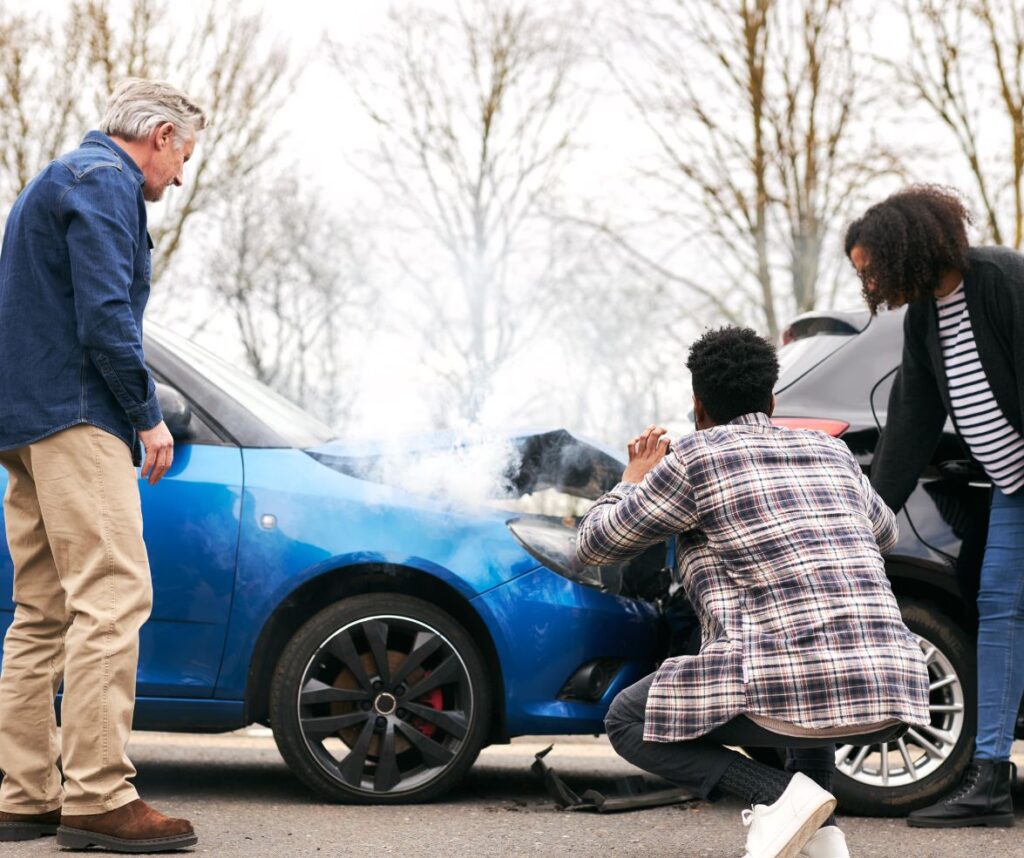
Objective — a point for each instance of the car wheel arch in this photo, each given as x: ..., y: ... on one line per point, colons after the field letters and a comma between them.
x: 311, y: 596
x: 926, y: 584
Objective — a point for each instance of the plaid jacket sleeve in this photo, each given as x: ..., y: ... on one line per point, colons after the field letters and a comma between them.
x: 883, y: 520
x: 632, y: 517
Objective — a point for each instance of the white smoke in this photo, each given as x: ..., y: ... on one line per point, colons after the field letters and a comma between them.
x: 472, y: 470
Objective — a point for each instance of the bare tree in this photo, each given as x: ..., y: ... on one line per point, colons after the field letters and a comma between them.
x: 825, y: 156
x: 965, y: 58
x: 475, y: 115
x: 762, y: 154
x: 625, y: 341
x: 56, y: 76
x: 294, y: 281
x: 41, y: 67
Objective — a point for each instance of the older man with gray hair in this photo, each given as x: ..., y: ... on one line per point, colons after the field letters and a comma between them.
x: 76, y: 400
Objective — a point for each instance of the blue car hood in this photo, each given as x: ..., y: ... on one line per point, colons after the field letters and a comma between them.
x: 505, y: 464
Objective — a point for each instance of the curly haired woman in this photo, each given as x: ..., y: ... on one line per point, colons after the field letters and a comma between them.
x: 963, y: 357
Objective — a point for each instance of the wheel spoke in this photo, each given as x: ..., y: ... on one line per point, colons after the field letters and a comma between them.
x: 377, y: 636
x: 885, y: 763
x: 351, y: 768
x: 342, y: 648
x: 942, y: 735
x: 315, y: 691
x: 328, y: 725
x: 447, y: 671
x: 911, y: 769
x: 929, y: 748
x: 843, y: 754
x: 452, y: 721
x: 387, y: 775
x: 942, y: 683
x: 424, y: 646
x: 858, y: 761
x: 434, y: 753
x: 952, y: 707
x: 929, y: 654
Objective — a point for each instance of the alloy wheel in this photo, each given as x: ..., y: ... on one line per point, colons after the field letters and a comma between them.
x: 921, y: 750
x: 385, y: 705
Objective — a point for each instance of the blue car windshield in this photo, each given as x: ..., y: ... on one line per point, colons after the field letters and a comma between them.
x: 298, y: 427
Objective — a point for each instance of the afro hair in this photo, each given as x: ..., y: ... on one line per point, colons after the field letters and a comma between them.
x: 734, y: 371
x: 912, y: 239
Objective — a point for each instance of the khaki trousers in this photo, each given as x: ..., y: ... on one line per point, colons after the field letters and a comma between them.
x: 82, y: 590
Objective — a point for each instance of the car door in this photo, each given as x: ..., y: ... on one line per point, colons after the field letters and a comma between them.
x: 191, y: 529
x: 191, y: 526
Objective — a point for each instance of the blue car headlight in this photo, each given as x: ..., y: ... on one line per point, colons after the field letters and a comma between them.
x: 554, y: 544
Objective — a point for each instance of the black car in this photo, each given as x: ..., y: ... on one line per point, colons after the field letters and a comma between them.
x: 836, y: 372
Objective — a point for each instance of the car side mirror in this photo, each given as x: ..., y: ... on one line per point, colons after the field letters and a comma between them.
x: 176, y: 410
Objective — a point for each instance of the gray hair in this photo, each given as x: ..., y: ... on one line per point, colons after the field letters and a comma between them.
x: 138, y: 106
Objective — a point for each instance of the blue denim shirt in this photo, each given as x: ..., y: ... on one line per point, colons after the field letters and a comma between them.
x: 74, y: 282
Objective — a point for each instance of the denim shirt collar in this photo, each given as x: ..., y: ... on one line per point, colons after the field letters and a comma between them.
x: 98, y: 138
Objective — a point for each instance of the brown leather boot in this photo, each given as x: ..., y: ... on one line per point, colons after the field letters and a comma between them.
x: 136, y: 827
x: 28, y: 826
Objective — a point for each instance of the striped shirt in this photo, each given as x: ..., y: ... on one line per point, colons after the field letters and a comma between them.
x: 997, y: 446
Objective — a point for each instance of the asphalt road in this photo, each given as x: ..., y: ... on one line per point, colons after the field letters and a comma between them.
x: 243, y: 801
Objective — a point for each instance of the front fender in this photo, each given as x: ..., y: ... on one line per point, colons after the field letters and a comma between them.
x: 301, y: 520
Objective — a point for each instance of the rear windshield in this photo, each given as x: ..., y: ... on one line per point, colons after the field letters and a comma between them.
x: 802, y: 355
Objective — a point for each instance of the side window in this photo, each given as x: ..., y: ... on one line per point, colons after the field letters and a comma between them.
x: 185, y: 422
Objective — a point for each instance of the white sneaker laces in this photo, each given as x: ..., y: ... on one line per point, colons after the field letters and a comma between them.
x: 747, y: 816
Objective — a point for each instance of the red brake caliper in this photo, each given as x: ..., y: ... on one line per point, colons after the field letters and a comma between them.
x: 435, y: 700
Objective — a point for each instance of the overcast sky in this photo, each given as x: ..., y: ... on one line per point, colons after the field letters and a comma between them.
x: 322, y: 118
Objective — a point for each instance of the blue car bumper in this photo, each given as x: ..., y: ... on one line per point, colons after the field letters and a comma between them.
x: 545, y: 627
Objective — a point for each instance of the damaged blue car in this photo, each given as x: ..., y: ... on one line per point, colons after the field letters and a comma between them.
x: 387, y: 609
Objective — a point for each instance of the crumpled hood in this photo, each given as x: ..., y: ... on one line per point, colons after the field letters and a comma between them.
x: 505, y: 464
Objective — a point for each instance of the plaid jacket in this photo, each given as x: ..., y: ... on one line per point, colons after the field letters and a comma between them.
x: 779, y: 540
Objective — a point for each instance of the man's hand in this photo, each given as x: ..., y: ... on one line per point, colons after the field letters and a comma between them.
x: 159, y: 451
x: 645, y: 451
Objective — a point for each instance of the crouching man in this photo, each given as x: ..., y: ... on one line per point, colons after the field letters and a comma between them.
x: 780, y: 539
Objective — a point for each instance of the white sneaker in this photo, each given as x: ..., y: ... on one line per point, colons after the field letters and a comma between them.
x: 828, y: 842
x: 780, y: 830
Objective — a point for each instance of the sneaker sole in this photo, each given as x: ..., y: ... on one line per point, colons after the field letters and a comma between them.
x: 995, y: 820
x: 11, y: 831
x: 791, y: 846
x: 76, y: 838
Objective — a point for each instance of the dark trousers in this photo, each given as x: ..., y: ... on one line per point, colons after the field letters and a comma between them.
x: 699, y: 764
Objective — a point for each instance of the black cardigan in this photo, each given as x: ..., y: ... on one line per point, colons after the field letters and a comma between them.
x: 919, y: 401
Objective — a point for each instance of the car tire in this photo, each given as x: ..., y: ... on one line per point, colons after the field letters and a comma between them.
x: 380, y: 699
x: 932, y: 772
